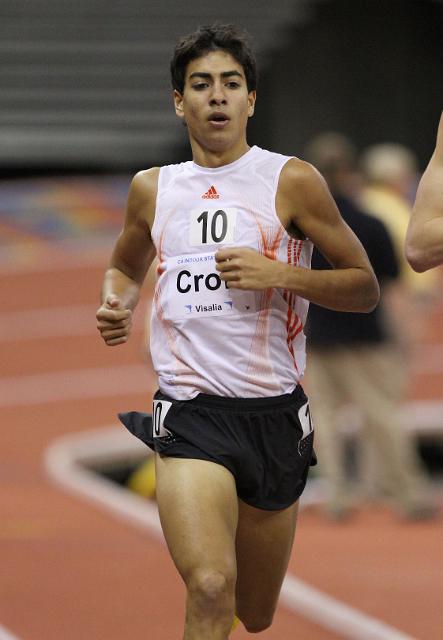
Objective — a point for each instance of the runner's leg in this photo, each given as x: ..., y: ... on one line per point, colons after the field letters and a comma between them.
x: 264, y: 542
x: 198, y: 509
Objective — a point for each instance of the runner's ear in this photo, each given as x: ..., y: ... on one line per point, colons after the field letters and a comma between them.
x: 178, y: 103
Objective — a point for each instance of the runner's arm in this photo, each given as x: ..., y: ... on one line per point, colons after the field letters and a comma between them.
x: 130, y: 261
x: 424, y: 240
x: 350, y: 286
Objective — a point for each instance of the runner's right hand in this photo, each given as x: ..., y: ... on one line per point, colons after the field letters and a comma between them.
x: 114, y: 321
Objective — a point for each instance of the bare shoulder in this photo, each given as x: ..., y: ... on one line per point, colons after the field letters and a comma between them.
x: 145, y: 182
x: 300, y: 174
x: 142, y: 196
x: 303, y: 190
x: 300, y: 180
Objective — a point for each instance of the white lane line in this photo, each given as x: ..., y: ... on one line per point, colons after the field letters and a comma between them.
x: 79, y: 320
x: 334, y: 615
x: 65, y: 461
x: 7, y: 635
x: 38, y: 257
x: 53, y: 322
x: 75, y: 384
x: 424, y: 416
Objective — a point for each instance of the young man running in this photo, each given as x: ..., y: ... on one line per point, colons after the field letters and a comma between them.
x: 233, y: 232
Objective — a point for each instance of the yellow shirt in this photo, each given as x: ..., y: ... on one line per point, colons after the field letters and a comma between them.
x: 395, y: 211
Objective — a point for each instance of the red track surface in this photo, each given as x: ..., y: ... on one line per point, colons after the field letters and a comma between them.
x: 73, y: 572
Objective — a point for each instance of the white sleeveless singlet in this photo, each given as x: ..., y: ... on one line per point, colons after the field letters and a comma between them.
x: 206, y: 338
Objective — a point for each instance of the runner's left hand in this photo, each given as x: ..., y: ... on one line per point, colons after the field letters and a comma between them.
x: 245, y: 268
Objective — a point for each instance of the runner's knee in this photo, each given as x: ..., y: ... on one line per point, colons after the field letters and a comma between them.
x: 211, y: 589
x: 257, y: 623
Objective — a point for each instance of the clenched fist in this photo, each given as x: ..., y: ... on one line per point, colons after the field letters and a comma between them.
x: 114, y: 321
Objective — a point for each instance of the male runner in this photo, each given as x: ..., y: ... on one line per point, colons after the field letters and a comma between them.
x: 424, y: 240
x: 231, y: 425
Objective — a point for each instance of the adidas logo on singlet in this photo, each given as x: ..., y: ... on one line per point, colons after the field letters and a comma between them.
x: 211, y: 194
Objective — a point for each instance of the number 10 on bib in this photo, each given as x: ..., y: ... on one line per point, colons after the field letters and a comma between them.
x: 212, y: 226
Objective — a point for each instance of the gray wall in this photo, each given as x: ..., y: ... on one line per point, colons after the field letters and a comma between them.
x: 372, y: 69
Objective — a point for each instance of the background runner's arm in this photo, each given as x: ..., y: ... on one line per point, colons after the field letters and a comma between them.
x: 424, y: 240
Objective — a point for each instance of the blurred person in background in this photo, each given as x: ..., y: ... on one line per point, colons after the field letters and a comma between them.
x: 353, y: 360
x: 390, y: 180
x: 424, y: 240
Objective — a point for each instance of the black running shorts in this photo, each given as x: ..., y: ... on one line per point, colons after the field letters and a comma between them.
x: 266, y: 443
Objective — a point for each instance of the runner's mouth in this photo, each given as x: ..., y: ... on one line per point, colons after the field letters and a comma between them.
x: 218, y: 117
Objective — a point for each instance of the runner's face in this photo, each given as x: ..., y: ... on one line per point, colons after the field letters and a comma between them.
x: 215, y: 104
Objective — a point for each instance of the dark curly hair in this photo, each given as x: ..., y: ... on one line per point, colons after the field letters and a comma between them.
x: 216, y: 37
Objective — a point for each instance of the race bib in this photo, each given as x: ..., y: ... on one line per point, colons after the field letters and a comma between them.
x: 304, y: 415
x: 211, y: 226
x: 196, y: 289
x: 159, y: 410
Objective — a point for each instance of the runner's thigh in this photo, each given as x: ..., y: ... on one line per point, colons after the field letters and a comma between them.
x: 198, y: 508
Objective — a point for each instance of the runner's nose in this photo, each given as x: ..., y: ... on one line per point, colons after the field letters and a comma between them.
x: 217, y: 101
x: 218, y: 96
